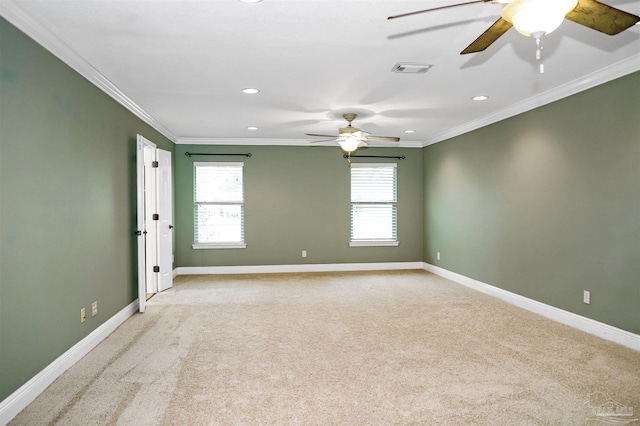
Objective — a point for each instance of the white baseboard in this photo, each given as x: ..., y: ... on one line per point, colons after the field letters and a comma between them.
x: 18, y: 400
x: 22, y: 397
x: 270, y: 269
x: 585, y: 324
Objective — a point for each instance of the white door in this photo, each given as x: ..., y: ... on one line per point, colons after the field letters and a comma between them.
x: 165, y: 221
x: 141, y: 231
x: 154, y: 220
x: 150, y: 213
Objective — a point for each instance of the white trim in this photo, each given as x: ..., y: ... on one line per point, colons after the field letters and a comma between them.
x: 12, y: 12
x: 279, y: 142
x: 218, y: 164
x: 605, y: 331
x: 373, y: 243
x: 601, y: 76
x: 18, y: 400
x: 47, y: 38
x: 241, y: 141
x: 373, y: 165
x: 215, y: 246
x: 276, y: 269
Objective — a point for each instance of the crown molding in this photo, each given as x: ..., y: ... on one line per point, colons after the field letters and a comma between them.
x: 603, y: 75
x: 12, y: 12
x: 240, y: 141
x: 276, y: 142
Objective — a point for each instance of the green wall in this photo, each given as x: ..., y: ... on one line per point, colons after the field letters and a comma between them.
x: 67, y: 206
x: 297, y: 198
x: 546, y: 204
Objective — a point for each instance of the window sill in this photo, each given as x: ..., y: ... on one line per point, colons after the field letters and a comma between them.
x: 373, y: 243
x: 207, y: 246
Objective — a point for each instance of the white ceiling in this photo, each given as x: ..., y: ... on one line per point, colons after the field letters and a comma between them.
x: 181, y: 64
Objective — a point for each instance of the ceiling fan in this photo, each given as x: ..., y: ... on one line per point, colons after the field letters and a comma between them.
x: 536, y: 18
x: 351, y: 138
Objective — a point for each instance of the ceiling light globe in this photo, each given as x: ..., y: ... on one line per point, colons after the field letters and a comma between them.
x: 349, y: 144
x: 537, y: 16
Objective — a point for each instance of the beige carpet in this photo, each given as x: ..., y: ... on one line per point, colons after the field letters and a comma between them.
x: 402, y: 347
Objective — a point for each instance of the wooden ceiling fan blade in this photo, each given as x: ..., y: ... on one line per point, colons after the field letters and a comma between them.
x: 323, y: 141
x: 601, y: 17
x: 381, y: 139
x: 487, y: 38
x: 322, y: 136
x: 436, y: 8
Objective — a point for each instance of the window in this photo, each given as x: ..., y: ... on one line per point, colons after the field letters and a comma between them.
x: 218, y: 205
x: 373, y: 204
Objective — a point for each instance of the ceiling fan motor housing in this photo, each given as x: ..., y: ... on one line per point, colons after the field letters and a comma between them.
x: 350, y: 131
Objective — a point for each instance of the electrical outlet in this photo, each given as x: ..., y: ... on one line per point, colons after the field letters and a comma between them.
x: 586, y: 297
x: 438, y: 256
x: 94, y: 308
x: 304, y: 253
x: 83, y: 315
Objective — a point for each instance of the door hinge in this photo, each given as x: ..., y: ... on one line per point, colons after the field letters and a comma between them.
x: 156, y: 216
x: 156, y: 269
x: 138, y: 233
x: 155, y: 164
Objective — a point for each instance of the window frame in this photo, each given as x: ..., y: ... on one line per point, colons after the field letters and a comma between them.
x: 218, y: 245
x: 375, y: 242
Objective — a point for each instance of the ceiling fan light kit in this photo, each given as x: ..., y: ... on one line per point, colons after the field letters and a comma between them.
x: 351, y: 138
x: 349, y: 144
x: 537, y: 16
x: 532, y: 18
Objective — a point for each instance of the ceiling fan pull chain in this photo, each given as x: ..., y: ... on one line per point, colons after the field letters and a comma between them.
x: 538, y: 37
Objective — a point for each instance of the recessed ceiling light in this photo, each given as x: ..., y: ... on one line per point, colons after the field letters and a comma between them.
x: 480, y: 98
x: 252, y: 128
x: 250, y: 91
x: 409, y: 131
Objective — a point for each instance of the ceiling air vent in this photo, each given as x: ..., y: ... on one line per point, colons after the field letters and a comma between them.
x: 410, y: 68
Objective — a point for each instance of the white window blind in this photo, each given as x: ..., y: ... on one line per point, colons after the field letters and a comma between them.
x: 373, y: 204
x: 218, y: 205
